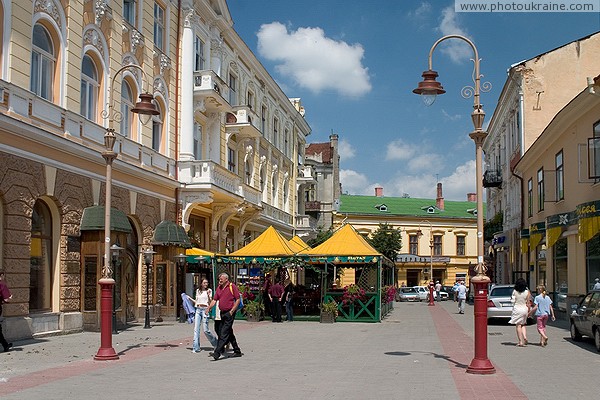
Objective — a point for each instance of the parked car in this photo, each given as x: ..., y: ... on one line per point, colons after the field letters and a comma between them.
x: 424, y: 293
x: 585, y: 319
x: 407, y: 294
x: 449, y: 290
x: 499, y: 302
x: 561, y: 298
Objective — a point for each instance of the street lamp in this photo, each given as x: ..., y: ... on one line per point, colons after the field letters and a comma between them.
x: 107, y: 282
x: 115, y: 252
x: 419, y: 233
x: 180, y: 261
x: 148, y: 254
x: 429, y: 88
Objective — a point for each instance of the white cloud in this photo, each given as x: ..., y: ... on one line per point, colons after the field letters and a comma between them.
x: 345, y: 150
x: 454, y: 117
x: 354, y: 182
x: 400, y: 150
x: 456, y: 49
x: 314, y: 61
x: 421, y: 12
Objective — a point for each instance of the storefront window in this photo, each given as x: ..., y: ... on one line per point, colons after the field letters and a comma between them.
x: 561, y: 283
x: 541, y: 264
x: 40, y: 279
x: 593, y: 261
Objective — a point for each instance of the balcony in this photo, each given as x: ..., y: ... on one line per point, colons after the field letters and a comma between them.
x: 312, y: 206
x: 212, y: 91
x: 492, y: 178
x: 243, y: 122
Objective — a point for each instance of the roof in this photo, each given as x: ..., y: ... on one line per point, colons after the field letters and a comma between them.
x: 324, y: 149
x: 93, y: 220
x: 402, y: 206
x: 270, y: 243
x: 168, y: 233
x: 298, y: 244
x: 344, y: 242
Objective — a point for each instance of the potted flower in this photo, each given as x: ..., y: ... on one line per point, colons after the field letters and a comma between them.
x: 254, y: 310
x: 329, y: 312
x: 352, y: 293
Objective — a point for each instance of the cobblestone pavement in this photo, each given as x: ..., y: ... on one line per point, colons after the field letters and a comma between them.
x: 416, y: 351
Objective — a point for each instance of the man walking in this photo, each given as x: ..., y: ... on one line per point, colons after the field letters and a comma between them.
x: 228, y: 296
x: 276, y: 295
x: 438, y: 289
x: 462, y: 297
x: 5, y: 296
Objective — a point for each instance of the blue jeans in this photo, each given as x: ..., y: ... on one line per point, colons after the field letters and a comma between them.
x: 202, y: 318
x: 289, y: 308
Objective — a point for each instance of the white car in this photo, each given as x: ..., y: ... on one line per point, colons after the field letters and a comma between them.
x: 423, y: 292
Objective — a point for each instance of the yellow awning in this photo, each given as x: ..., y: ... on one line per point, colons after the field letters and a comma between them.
x: 524, y: 245
x: 270, y: 243
x: 588, y: 228
x: 552, y: 235
x: 298, y: 244
x: 535, y: 239
x: 194, y: 251
x: 344, y: 242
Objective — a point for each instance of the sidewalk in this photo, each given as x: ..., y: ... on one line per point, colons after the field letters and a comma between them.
x: 415, y: 351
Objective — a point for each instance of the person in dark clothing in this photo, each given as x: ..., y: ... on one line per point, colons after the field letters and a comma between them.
x: 288, y: 297
x: 228, y: 296
x: 276, y: 296
x: 5, y: 296
x: 265, y: 295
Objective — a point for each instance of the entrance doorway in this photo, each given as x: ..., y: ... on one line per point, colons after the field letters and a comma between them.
x: 412, y: 277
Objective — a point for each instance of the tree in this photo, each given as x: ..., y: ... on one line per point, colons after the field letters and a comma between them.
x: 322, y: 235
x: 387, y: 240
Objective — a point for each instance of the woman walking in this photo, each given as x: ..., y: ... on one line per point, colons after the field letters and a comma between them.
x: 202, y: 300
x: 543, y: 310
x: 520, y: 299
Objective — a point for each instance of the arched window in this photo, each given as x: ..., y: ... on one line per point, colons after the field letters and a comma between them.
x: 126, y: 107
x: 89, y: 88
x: 286, y: 192
x: 157, y: 128
x: 274, y: 187
x: 248, y: 172
x: 43, y: 60
x: 40, y: 274
x: 263, y: 178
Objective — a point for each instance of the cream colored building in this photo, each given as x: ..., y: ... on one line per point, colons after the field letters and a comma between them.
x: 560, y: 173
x: 436, y: 234
x: 534, y: 92
x: 220, y: 158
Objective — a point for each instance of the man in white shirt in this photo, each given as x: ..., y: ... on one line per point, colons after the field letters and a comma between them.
x: 462, y: 297
x: 438, y: 289
x: 597, y: 284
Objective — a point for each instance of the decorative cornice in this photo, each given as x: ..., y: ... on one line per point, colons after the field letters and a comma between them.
x: 165, y: 63
x: 137, y: 39
x: 93, y: 37
x: 49, y: 7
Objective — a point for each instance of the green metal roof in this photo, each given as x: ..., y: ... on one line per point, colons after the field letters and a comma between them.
x: 402, y: 206
x: 93, y: 220
x: 168, y: 233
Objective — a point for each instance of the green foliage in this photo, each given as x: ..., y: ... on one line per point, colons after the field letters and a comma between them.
x: 387, y: 240
x: 322, y: 235
x: 254, y: 307
x: 331, y: 307
x: 492, y: 226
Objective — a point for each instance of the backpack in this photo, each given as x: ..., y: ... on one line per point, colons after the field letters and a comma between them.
x: 241, y: 305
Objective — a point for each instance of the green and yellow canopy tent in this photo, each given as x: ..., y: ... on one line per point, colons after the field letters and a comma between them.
x: 268, y: 248
x: 348, y: 249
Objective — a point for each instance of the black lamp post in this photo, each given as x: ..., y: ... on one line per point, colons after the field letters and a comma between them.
x: 115, y: 252
x: 180, y: 261
x: 148, y: 254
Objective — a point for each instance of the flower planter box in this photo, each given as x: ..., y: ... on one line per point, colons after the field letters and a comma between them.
x: 253, y: 318
x: 327, y: 318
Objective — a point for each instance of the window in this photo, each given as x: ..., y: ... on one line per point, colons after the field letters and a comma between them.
x: 437, y: 245
x: 276, y: 132
x: 460, y: 245
x: 159, y: 26
x: 594, y: 153
x: 540, y: 188
x: 157, y: 128
x: 248, y: 172
x: 233, y: 90
x: 592, y: 253
x: 263, y: 178
x: 199, y: 53
x: 42, y: 63
x: 89, y: 88
x: 263, y: 120
x: 413, y: 244
x: 250, y: 99
x: 274, y: 187
x: 197, y: 141
x: 286, y: 192
x: 126, y: 107
x: 231, y: 159
x: 40, y: 259
x: 560, y: 171
x: 529, y: 198
x: 129, y: 11
x: 286, y: 143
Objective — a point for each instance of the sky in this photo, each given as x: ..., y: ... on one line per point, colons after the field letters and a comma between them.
x: 354, y: 64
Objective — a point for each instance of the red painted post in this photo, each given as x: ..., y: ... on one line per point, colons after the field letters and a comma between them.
x: 106, y: 350
x: 481, y: 364
x: 431, y: 302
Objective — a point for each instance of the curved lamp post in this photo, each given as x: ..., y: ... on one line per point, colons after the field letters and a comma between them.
x: 180, y: 262
x: 107, y: 282
x: 419, y: 233
x: 148, y: 256
x: 429, y: 88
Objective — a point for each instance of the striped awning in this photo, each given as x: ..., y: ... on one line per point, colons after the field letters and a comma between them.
x: 589, y: 220
x: 536, y: 234
x: 556, y: 224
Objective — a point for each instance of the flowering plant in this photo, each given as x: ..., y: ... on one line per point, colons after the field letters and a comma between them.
x: 330, y: 307
x: 352, y: 293
x: 388, y: 294
x: 246, y: 293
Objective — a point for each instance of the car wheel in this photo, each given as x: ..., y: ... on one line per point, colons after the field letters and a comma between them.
x: 575, y: 335
x: 597, y: 338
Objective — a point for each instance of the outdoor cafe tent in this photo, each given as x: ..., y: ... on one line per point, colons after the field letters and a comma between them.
x: 297, y: 244
x: 347, y: 249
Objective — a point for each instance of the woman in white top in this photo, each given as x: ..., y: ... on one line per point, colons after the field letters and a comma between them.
x: 201, y: 302
x: 521, y: 299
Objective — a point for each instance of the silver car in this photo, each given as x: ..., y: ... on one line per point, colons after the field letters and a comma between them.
x: 499, y: 302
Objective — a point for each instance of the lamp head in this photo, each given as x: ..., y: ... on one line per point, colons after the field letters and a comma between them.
x: 477, y: 116
x: 115, y: 250
x: 110, y: 139
x: 429, y: 88
x: 180, y: 259
x: 148, y: 254
x: 145, y: 108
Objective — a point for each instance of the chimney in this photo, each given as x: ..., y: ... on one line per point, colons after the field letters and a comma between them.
x: 379, y: 191
x: 439, y: 201
x: 472, y: 197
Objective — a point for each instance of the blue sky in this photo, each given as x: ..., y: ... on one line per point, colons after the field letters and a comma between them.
x: 355, y: 64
